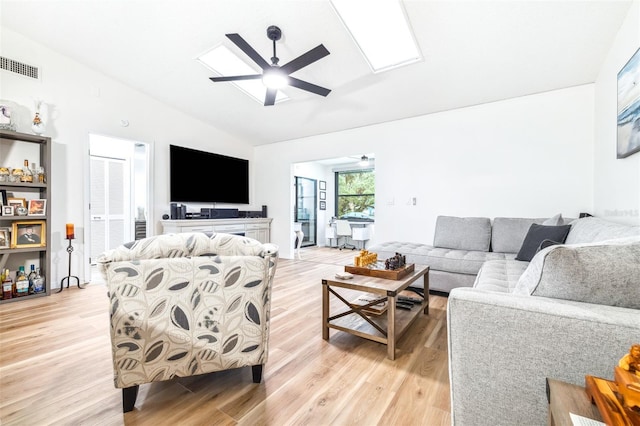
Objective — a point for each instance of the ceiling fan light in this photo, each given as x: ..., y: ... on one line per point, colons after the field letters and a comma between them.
x: 274, y: 79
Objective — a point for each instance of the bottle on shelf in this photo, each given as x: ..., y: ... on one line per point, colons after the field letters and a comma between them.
x: 38, y: 282
x: 42, y: 178
x: 34, y: 173
x: 31, y: 277
x: 7, y: 285
x: 27, y: 176
x: 21, y: 284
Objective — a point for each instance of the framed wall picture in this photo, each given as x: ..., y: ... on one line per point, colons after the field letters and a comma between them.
x: 5, y: 238
x: 323, y: 185
x: 7, y: 210
x: 323, y: 205
x: 323, y: 195
x: 628, y: 109
x: 28, y: 234
x: 37, y: 208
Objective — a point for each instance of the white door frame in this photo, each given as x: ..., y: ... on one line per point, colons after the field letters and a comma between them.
x: 87, y: 197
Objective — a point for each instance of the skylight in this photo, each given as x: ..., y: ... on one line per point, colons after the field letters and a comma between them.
x: 226, y: 63
x: 381, y: 30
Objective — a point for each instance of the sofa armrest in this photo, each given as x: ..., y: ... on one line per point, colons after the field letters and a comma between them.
x: 503, y: 346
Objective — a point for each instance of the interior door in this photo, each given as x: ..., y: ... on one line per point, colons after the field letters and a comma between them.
x: 109, y: 204
x: 306, y: 209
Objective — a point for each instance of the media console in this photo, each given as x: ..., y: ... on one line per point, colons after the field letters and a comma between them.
x: 257, y: 228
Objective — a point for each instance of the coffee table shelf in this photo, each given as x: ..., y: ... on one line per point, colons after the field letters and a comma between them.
x: 386, y: 328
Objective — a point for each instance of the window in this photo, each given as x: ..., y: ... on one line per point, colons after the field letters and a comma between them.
x: 356, y: 195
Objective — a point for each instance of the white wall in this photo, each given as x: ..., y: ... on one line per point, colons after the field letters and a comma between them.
x: 530, y: 157
x: 616, y: 181
x: 80, y: 101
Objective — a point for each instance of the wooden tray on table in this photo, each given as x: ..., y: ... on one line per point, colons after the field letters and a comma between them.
x: 377, y: 272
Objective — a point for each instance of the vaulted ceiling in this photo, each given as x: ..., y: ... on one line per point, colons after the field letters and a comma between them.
x: 473, y: 52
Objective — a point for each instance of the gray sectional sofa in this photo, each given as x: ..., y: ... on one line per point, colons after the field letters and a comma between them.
x: 461, y: 245
x: 573, y: 310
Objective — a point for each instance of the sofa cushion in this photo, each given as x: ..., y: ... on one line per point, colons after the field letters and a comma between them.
x: 500, y: 275
x: 604, y: 273
x: 554, y: 220
x: 508, y: 233
x: 593, y: 229
x: 463, y: 233
x: 438, y: 258
x: 536, y: 235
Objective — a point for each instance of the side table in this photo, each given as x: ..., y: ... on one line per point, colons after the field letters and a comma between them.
x: 565, y: 398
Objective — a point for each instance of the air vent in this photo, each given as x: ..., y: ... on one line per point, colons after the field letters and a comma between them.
x: 19, y: 68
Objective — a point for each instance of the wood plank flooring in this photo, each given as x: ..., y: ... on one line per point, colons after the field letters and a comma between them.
x: 55, y: 366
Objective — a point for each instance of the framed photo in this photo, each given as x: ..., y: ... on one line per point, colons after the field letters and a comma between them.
x: 323, y: 185
x: 323, y: 195
x: 7, y: 210
x: 323, y: 205
x: 628, y: 109
x: 17, y: 202
x: 5, y: 238
x: 28, y: 234
x: 3, y: 197
x: 37, y: 208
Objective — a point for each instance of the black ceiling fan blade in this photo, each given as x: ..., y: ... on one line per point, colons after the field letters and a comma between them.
x: 305, y: 59
x: 236, y: 77
x: 270, y: 97
x: 244, y: 46
x: 304, y: 85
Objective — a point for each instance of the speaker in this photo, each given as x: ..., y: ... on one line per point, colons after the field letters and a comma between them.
x: 264, y: 211
x: 178, y: 211
x: 219, y: 213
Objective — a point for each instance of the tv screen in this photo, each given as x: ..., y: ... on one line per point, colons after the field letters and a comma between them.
x: 204, y: 177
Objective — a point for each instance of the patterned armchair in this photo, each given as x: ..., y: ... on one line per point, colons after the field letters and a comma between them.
x: 187, y: 304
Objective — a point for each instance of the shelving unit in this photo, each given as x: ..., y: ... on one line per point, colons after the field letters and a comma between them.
x: 12, y: 258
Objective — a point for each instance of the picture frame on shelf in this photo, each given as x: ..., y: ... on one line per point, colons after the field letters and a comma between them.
x: 17, y: 202
x: 5, y: 238
x: 31, y: 233
x: 323, y: 185
x: 323, y: 205
x: 3, y: 197
x: 323, y: 195
x: 37, y: 207
x: 7, y: 210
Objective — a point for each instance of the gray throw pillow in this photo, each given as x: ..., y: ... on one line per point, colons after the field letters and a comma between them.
x: 536, y: 235
x: 600, y: 273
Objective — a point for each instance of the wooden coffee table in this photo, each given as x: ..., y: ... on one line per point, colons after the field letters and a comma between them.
x: 386, y: 328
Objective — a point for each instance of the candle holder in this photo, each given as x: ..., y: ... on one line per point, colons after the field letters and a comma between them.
x: 69, y: 276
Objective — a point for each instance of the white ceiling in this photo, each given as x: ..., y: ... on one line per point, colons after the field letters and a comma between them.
x: 474, y: 52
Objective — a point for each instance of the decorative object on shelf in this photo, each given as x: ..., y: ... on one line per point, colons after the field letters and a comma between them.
x: 21, y: 211
x: 7, y: 210
x: 37, y: 208
x: 3, y: 197
x: 28, y: 234
x: 17, y: 202
x: 5, y: 172
x: 6, y: 123
x: 37, y: 125
x: 628, y: 141
x: 5, y: 238
x: 70, y: 231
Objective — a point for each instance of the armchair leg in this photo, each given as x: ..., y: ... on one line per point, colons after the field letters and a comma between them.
x: 129, y: 396
x: 257, y: 373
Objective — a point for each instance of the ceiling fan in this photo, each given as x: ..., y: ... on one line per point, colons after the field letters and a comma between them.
x: 274, y: 76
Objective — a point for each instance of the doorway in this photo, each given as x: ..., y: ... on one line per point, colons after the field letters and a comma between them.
x: 119, y: 197
x: 305, y: 209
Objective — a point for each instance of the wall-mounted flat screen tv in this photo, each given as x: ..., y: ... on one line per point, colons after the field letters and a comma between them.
x: 204, y: 177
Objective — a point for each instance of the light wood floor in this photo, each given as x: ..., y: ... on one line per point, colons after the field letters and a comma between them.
x: 55, y: 366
